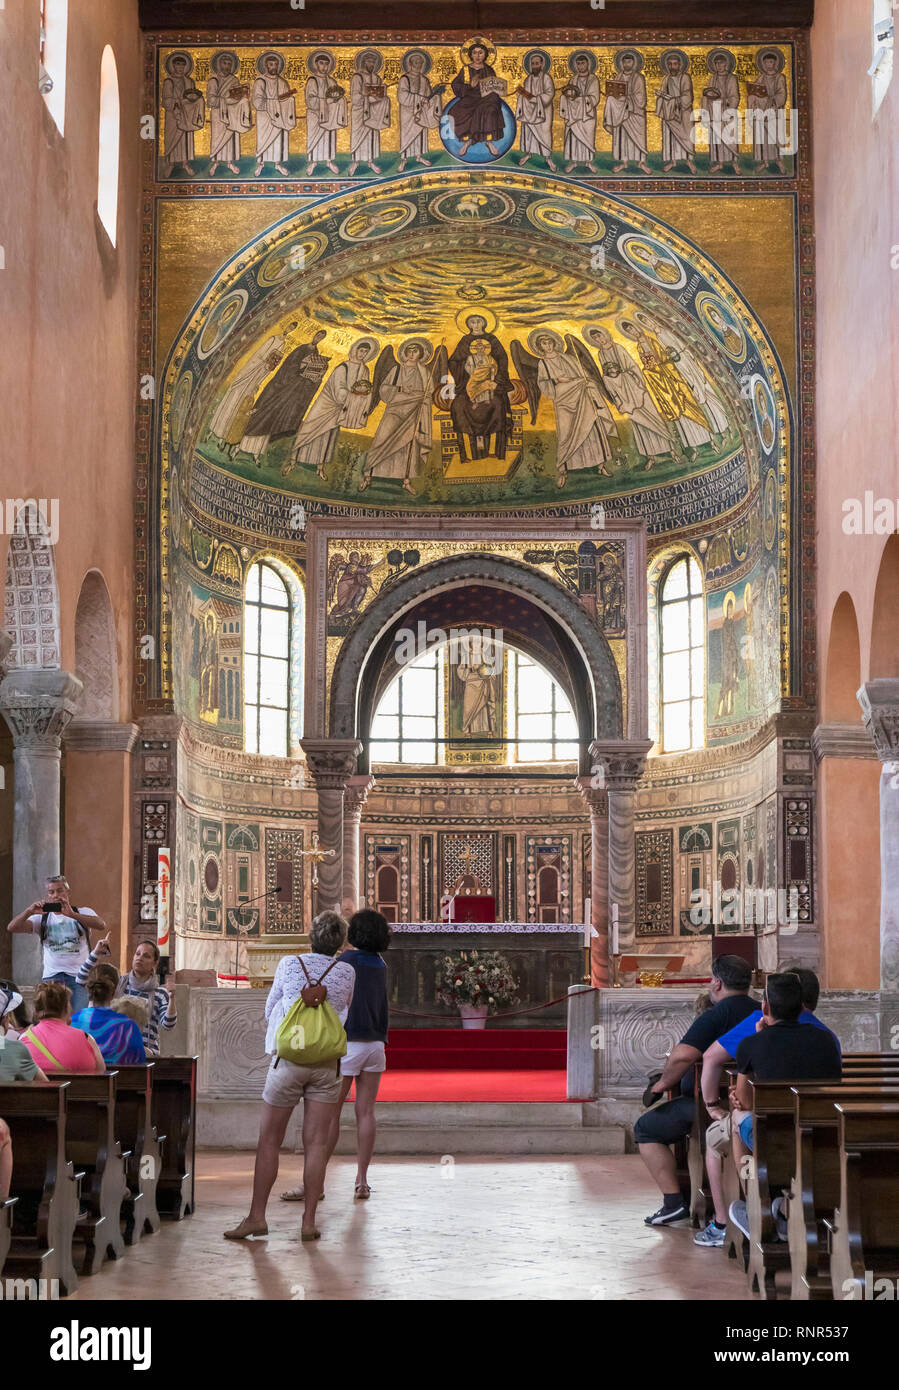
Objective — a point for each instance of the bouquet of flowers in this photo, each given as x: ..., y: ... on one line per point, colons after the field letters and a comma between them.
x: 477, y: 977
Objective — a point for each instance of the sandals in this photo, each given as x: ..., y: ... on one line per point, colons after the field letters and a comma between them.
x: 362, y: 1192
x: 297, y: 1194
x: 246, y: 1229
x: 313, y: 1234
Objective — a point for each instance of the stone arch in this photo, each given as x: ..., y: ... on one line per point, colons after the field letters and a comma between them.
x: 31, y: 597
x: 842, y: 674
x: 349, y: 714
x: 884, y: 654
x: 96, y: 659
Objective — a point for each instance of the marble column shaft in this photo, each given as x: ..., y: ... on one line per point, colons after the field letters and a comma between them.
x: 600, y: 944
x: 621, y: 764
x: 354, y: 799
x: 879, y: 700
x: 332, y: 763
x: 37, y: 704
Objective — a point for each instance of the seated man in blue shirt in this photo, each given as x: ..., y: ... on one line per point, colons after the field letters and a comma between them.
x: 664, y: 1124
x: 716, y: 1058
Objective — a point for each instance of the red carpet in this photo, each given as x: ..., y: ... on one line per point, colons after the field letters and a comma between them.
x: 491, y: 1064
x: 519, y: 1085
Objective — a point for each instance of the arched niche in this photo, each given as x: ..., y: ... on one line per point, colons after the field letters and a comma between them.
x: 842, y: 675
x: 884, y: 658
x: 96, y: 660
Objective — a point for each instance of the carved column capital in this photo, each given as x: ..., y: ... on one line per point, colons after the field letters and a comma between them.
x: 331, y: 761
x: 596, y: 798
x: 622, y: 761
x: 356, y: 795
x: 879, y: 700
x: 37, y: 704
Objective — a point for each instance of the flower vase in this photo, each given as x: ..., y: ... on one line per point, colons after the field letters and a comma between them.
x: 473, y: 1015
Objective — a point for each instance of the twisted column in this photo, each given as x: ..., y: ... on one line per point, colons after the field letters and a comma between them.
x: 879, y: 700
x: 331, y: 762
x: 618, y: 765
x: 597, y: 802
x: 354, y: 799
x: 37, y: 704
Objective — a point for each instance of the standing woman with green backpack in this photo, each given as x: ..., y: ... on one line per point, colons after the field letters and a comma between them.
x: 306, y: 1010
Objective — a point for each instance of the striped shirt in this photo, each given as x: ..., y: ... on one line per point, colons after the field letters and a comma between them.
x: 158, y: 1005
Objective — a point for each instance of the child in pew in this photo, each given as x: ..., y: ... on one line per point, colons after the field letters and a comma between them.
x: 51, y: 1039
x: 718, y: 1134
x: 118, y: 1037
x: 782, y: 1050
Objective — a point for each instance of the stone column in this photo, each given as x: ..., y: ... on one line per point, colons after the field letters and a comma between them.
x: 332, y: 762
x: 879, y: 700
x: 354, y: 799
x: 621, y: 763
x: 600, y: 946
x: 37, y: 704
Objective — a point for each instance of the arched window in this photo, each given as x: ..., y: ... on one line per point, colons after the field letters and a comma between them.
x: 881, y: 70
x: 52, y: 61
x: 266, y: 662
x: 108, y: 158
x: 409, y: 719
x: 681, y: 618
x: 542, y: 725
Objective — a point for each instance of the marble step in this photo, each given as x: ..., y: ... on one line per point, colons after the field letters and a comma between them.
x: 460, y: 1127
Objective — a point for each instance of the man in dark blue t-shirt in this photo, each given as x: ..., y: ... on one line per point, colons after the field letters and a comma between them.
x: 673, y: 1120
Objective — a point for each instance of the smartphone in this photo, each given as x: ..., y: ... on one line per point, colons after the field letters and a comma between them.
x: 51, y: 907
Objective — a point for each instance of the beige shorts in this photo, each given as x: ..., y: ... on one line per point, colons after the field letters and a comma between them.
x: 287, y: 1084
x: 717, y: 1136
x: 363, y: 1056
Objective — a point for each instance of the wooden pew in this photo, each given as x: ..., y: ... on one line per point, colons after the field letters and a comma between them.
x: 45, y: 1182
x: 137, y: 1135
x: 864, y: 1232
x: 92, y: 1144
x: 736, y: 1245
x: 174, y: 1114
x: 6, y: 1211
x: 815, y: 1191
x: 701, y: 1205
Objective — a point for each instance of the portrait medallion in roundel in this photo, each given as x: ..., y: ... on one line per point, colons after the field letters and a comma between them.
x: 477, y: 125
x: 565, y: 219
x: 764, y: 411
x: 718, y: 320
x: 221, y: 322
x: 211, y: 876
x: 472, y: 205
x: 652, y: 260
x: 180, y: 402
x: 375, y: 220
x: 292, y: 257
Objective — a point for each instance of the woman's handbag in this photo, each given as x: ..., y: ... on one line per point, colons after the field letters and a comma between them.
x: 310, y: 1033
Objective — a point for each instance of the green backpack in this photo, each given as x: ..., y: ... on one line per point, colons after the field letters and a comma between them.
x: 310, y: 1033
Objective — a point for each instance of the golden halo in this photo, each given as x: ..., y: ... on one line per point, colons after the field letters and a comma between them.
x: 537, y: 333
x: 466, y: 312
x: 426, y: 348
x: 731, y: 597
x: 484, y: 43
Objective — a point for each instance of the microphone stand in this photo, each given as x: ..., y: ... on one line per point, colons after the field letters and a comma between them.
x: 239, y: 929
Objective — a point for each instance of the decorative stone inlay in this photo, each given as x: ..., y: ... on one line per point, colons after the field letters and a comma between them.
x: 879, y: 700
x: 842, y: 741
x: 37, y: 704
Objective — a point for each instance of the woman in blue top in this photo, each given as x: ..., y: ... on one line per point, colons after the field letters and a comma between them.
x: 118, y: 1037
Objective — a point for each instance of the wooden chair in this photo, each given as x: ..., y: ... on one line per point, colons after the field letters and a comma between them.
x: 93, y: 1145
x: 46, y: 1183
x: 174, y: 1114
x: 138, y: 1135
x: 815, y: 1191
x: 864, y: 1232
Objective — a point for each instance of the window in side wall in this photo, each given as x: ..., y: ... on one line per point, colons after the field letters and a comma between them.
x: 881, y: 70
x: 108, y: 145
x: 267, y: 638
x: 52, y: 58
x: 681, y: 618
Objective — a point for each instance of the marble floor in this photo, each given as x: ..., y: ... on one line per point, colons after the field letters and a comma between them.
x: 482, y: 1228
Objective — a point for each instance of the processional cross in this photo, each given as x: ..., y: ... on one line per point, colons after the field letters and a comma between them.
x: 317, y: 855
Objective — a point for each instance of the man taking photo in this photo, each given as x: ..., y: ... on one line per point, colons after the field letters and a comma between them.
x: 65, y: 934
